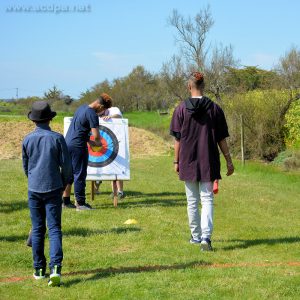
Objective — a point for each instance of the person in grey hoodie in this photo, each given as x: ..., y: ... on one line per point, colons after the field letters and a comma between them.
x: 199, y: 128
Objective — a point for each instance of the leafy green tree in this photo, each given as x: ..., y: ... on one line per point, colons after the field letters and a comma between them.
x: 250, y: 78
x: 53, y: 94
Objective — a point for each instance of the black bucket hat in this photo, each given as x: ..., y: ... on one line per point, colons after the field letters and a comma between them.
x: 41, y: 111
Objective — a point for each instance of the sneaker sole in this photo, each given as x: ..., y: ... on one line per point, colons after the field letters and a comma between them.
x: 205, y: 247
x: 195, y: 243
x: 54, y: 280
x: 38, y: 277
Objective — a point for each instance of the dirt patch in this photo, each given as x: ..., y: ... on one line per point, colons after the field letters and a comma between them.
x: 145, y: 143
x: 141, y: 142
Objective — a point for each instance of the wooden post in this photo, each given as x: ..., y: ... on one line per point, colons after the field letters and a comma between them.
x: 92, y: 190
x: 115, y: 192
x: 242, y: 141
x: 115, y: 201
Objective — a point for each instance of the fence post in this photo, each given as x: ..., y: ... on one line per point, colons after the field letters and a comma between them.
x: 242, y: 141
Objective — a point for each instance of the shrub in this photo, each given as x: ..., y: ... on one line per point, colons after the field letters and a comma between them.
x: 263, y: 126
x: 292, y: 126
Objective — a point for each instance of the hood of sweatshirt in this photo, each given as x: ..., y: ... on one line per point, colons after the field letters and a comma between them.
x: 198, y: 106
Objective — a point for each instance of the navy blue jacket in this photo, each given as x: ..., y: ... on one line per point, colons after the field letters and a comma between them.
x: 46, y: 160
x: 78, y: 133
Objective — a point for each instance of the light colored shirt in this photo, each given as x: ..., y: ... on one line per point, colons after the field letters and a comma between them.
x: 113, y: 111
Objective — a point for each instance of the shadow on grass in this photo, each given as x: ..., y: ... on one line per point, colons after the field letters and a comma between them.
x: 244, y: 244
x: 101, y: 273
x: 138, y: 199
x: 14, y: 238
x: 84, y: 232
x: 88, y: 232
x: 13, y: 206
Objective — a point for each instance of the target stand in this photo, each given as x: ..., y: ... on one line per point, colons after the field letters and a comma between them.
x: 110, y: 161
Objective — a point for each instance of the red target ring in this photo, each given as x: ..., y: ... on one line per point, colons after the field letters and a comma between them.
x: 103, y: 148
x: 108, y: 151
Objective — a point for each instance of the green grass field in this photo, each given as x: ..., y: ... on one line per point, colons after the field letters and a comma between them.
x: 152, y: 121
x: 256, y: 239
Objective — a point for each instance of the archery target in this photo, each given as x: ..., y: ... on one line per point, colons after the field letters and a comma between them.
x: 108, y: 151
x: 112, y: 161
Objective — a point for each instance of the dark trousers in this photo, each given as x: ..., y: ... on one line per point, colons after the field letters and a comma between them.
x: 79, y: 158
x: 46, y: 207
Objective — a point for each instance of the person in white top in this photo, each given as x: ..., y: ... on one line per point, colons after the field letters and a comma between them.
x: 117, y: 185
x: 112, y: 112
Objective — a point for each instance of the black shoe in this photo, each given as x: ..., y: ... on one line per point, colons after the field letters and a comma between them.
x: 121, y: 195
x: 206, y: 245
x: 68, y: 205
x: 84, y: 206
x: 55, y: 276
x: 39, y: 273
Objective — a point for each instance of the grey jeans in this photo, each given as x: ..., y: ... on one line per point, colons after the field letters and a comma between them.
x: 196, y: 191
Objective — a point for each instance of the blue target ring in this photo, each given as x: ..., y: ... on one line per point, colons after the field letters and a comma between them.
x: 109, y: 151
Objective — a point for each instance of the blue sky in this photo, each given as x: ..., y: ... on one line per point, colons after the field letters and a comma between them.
x: 75, y: 50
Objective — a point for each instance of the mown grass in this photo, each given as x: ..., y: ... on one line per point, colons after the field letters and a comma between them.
x: 256, y: 237
x: 152, y: 121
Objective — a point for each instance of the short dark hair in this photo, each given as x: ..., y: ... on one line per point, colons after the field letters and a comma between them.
x: 197, y: 79
x: 105, y: 100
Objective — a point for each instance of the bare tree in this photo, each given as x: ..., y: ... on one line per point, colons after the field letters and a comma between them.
x: 191, y: 35
x: 174, y: 76
x: 197, y: 54
x: 221, y: 59
x: 289, y: 69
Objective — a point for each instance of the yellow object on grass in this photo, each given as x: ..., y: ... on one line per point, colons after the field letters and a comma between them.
x: 130, y: 222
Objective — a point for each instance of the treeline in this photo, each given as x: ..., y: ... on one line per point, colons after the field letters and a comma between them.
x: 145, y: 91
x: 269, y: 109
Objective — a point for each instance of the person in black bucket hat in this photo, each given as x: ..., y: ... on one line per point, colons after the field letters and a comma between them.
x: 47, y: 165
x: 41, y: 111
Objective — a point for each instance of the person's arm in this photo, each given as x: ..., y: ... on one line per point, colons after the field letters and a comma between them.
x: 225, y: 150
x: 176, y: 155
x: 25, y: 160
x: 112, y: 117
x: 112, y: 113
x: 97, y: 138
x: 65, y: 163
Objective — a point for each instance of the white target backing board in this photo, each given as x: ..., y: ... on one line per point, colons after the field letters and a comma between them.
x: 112, y: 161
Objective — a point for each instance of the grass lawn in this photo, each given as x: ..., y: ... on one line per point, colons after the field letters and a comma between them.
x: 256, y: 239
x: 153, y: 121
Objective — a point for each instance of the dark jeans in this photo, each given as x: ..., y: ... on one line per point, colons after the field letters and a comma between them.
x: 46, y: 206
x: 79, y: 158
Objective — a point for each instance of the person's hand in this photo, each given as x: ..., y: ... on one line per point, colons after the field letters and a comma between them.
x: 176, y: 168
x: 91, y: 143
x: 230, y: 168
x: 95, y: 147
x: 106, y: 118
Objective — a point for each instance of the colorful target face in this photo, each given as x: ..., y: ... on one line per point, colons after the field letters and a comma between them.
x: 107, y: 153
